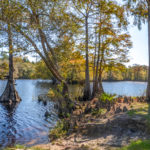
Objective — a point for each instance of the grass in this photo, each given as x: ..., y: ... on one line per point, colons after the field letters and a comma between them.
x: 60, y: 130
x: 99, y: 111
x: 138, y: 145
x: 139, y: 109
x: 21, y: 147
x: 107, y: 97
x: 15, y: 147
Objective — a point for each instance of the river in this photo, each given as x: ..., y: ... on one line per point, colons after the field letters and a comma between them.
x: 26, y: 124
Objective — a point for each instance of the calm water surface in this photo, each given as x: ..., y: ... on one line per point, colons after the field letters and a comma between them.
x: 125, y: 88
x: 26, y: 124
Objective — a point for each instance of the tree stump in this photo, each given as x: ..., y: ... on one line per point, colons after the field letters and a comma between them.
x: 10, y: 95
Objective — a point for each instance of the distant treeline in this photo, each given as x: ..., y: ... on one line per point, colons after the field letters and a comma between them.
x: 132, y: 73
x: 24, y: 69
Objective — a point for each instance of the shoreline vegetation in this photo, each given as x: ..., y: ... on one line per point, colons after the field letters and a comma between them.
x: 104, y: 123
x: 78, y: 41
x: 24, y: 69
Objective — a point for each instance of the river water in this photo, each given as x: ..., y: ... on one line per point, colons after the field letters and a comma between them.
x: 26, y: 124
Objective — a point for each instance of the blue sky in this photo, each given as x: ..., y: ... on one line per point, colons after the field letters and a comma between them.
x: 139, y: 53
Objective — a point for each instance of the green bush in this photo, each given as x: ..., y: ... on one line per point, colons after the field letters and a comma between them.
x: 16, y: 147
x: 21, y: 147
x: 99, y: 111
x: 138, y: 145
x: 60, y: 130
x: 107, y: 97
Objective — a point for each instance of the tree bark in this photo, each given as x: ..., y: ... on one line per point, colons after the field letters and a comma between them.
x: 87, y: 89
x: 97, y: 64
x: 10, y: 95
x: 148, y: 86
x: 100, y: 88
x: 94, y: 65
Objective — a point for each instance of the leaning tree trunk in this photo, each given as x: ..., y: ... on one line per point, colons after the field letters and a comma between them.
x: 87, y: 90
x: 10, y: 95
x: 148, y: 86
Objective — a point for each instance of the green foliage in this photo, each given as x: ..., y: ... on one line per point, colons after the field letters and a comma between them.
x: 3, y: 69
x: 99, y: 111
x: 24, y: 69
x: 54, y: 93
x: 142, y: 110
x: 131, y: 112
x: 16, y: 147
x: 41, y: 71
x: 60, y: 130
x: 57, y: 91
x: 21, y: 147
x: 121, y: 72
x: 107, y: 97
x: 138, y: 145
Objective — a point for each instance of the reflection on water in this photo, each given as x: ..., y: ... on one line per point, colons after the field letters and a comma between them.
x: 124, y: 88
x: 26, y: 124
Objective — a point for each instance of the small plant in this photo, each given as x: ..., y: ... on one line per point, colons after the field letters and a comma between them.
x: 131, y: 112
x: 60, y: 130
x: 21, y: 147
x: 16, y: 147
x: 107, y: 97
x: 98, y: 111
x: 54, y: 93
x: 138, y: 145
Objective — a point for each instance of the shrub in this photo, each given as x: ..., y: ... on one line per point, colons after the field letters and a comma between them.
x: 99, y: 111
x: 107, y: 97
x: 60, y: 130
x: 138, y: 145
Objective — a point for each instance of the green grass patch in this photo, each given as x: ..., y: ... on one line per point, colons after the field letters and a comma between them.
x: 60, y: 130
x: 139, y: 109
x: 16, y: 147
x: 99, y: 111
x: 21, y: 147
x: 138, y: 145
x: 107, y: 97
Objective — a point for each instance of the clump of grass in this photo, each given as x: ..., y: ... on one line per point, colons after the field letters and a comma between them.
x: 16, y: 147
x: 99, y: 111
x: 138, y: 145
x: 60, y: 130
x: 21, y: 147
x: 107, y: 97
x: 131, y: 112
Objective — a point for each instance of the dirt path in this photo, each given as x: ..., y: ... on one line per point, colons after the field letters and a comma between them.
x: 108, y: 133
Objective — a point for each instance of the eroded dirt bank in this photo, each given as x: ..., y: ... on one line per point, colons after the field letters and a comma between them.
x: 126, y: 120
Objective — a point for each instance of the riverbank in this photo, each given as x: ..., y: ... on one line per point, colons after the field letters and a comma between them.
x: 125, y: 121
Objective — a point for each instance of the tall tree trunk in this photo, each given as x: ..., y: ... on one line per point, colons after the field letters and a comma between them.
x: 101, y: 69
x: 148, y: 86
x: 100, y: 89
x: 95, y: 85
x: 94, y: 65
x: 87, y: 90
x: 10, y: 94
x: 97, y: 64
